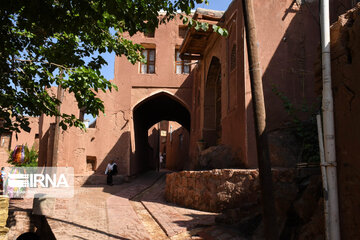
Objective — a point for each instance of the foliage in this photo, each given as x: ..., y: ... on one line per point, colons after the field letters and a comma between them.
x: 45, y: 42
x: 30, y: 157
x: 304, y: 130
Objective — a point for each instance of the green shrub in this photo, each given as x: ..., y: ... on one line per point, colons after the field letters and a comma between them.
x: 304, y: 130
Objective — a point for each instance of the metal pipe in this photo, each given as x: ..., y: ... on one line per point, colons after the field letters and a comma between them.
x: 324, y: 177
x: 328, y: 122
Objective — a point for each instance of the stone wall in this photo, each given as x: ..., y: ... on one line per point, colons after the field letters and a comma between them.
x: 4, y: 206
x: 236, y: 194
x: 217, y: 190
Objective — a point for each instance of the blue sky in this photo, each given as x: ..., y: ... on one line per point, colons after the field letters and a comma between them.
x: 216, y: 5
x: 108, y: 71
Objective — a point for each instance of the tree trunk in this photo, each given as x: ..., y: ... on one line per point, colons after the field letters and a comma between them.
x: 54, y: 162
x: 269, y: 211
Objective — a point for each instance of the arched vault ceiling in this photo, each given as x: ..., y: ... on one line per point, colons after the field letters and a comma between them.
x: 160, y: 107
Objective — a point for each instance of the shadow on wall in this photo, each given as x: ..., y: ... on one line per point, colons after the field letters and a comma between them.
x: 119, y: 153
x: 177, y: 150
x: 46, y: 147
x: 212, y: 104
x: 153, y: 149
x: 290, y: 69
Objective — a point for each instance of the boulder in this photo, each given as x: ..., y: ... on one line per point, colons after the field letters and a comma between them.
x: 220, y: 156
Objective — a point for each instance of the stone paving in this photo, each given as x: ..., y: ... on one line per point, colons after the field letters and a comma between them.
x: 135, y: 210
x: 19, y: 219
x: 84, y: 216
x: 151, y: 226
x: 173, y: 219
x: 101, y: 212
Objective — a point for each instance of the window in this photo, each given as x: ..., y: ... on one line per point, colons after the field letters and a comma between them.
x: 182, y: 31
x: 149, y: 33
x: 90, y: 163
x: 181, y: 66
x: 5, y: 140
x: 149, y: 66
x: 86, y: 118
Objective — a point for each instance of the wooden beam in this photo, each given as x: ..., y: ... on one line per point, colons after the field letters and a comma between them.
x: 191, y: 57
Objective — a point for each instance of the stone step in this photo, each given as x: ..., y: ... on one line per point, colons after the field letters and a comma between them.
x: 83, y: 180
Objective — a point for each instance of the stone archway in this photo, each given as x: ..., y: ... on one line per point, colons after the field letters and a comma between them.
x: 212, y: 104
x: 161, y: 106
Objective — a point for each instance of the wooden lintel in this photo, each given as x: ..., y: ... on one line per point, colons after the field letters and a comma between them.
x: 190, y: 57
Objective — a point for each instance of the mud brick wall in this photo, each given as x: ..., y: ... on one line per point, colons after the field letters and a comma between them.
x: 345, y: 54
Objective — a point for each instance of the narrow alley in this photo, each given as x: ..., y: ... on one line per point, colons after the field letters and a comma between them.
x: 211, y: 122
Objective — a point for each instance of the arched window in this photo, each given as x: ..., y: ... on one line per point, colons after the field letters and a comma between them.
x: 212, y: 104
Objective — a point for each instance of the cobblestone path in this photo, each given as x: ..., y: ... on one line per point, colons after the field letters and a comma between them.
x: 130, y: 211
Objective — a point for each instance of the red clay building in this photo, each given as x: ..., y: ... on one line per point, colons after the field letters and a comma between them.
x: 213, y: 102
x: 288, y: 39
x: 148, y: 93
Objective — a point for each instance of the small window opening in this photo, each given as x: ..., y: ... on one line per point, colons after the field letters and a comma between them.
x: 90, y: 163
x: 182, y: 31
x: 149, y: 33
x: 89, y: 121
x: 5, y: 139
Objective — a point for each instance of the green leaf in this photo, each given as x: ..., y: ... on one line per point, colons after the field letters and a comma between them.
x: 220, y: 31
x: 215, y: 27
x: 205, y: 26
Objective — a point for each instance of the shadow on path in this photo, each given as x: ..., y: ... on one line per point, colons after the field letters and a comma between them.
x: 87, y: 228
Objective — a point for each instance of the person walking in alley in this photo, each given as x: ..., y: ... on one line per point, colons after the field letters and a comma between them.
x: 111, y: 170
x: 161, y: 159
x: 2, y: 180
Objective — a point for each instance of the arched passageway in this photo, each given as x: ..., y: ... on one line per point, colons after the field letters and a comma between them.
x: 212, y: 104
x: 152, y: 110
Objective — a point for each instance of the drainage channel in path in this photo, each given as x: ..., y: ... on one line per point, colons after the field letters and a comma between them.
x: 151, y: 224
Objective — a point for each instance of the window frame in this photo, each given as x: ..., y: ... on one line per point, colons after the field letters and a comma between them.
x: 148, y: 62
x: 181, y: 63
